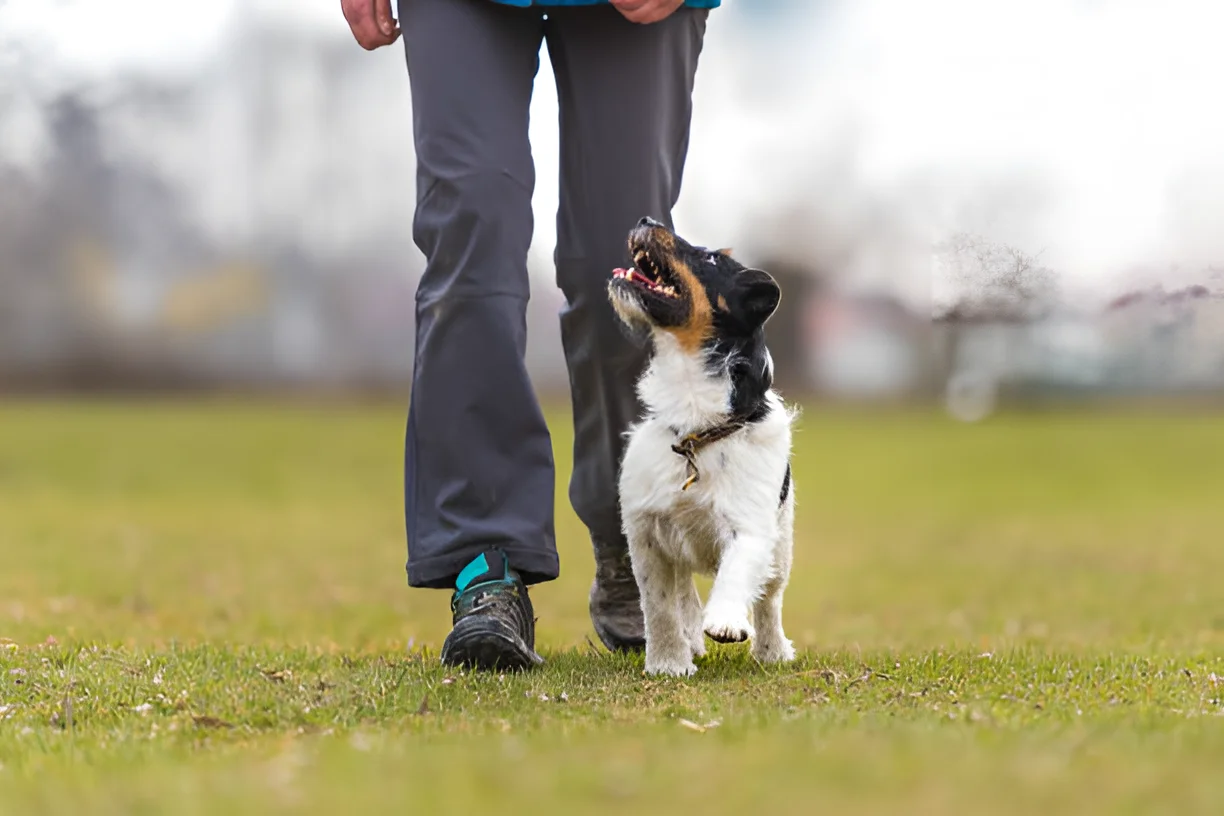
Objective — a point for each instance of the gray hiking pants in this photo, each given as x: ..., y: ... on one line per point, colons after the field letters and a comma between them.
x: 478, y: 458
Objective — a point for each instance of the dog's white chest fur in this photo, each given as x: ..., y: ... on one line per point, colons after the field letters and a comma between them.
x: 735, y: 522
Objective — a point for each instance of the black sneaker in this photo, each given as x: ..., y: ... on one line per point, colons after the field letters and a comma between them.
x: 494, y: 622
x: 615, y: 603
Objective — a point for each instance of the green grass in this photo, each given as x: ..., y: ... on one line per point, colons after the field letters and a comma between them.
x: 203, y: 610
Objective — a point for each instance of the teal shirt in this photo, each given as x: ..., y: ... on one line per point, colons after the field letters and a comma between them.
x: 705, y: 4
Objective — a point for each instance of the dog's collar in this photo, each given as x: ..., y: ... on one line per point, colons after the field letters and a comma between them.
x: 689, y: 446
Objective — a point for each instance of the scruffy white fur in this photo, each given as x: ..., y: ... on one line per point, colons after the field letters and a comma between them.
x: 730, y: 524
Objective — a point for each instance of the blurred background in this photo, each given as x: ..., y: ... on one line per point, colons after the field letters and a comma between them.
x: 963, y: 201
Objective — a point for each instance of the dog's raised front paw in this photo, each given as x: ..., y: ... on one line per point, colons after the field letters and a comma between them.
x: 727, y: 628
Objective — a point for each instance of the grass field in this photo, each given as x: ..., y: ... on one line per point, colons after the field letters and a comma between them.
x: 203, y: 610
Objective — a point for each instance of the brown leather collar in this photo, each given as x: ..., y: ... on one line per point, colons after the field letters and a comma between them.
x: 691, y: 445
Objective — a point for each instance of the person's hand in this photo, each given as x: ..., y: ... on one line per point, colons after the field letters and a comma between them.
x: 371, y: 22
x: 646, y: 11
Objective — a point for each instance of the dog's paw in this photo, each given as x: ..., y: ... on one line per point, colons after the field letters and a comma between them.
x: 671, y: 667
x: 775, y: 651
x: 727, y: 628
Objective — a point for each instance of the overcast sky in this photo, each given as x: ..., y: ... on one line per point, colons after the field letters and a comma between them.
x: 1110, y: 108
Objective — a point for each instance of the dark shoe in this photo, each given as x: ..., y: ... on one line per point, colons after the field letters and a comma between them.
x: 494, y: 622
x: 616, y: 605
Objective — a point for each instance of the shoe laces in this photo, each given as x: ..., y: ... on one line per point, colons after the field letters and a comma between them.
x: 506, y: 598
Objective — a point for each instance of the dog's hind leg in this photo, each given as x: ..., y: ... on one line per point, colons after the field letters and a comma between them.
x: 668, y: 650
x: 690, y: 612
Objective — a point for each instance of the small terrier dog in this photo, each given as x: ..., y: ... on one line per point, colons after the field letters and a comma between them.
x: 705, y: 484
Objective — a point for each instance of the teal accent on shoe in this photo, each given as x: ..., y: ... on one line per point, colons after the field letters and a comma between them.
x: 479, y: 566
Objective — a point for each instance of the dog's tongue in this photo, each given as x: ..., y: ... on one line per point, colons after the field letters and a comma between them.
x: 631, y: 274
x: 636, y: 275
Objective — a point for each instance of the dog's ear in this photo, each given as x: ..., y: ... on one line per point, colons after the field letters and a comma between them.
x: 761, y: 294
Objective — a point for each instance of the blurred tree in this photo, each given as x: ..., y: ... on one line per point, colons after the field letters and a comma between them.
x: 986, y: 280
x: 784, y: 331
x: 984, y: 283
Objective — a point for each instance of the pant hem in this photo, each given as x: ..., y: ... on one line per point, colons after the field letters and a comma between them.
x: 440, y: 572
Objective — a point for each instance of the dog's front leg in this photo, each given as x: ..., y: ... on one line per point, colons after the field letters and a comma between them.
x: 770, y: 644
x: 743, y: 569
x: 668, y: 650
x: 690, y: 612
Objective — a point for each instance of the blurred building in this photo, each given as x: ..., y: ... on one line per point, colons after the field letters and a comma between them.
x: 1143, y: 343
x: 206, y: 229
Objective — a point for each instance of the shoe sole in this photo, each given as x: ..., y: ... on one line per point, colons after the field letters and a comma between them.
x: 630, y: 645
x: 615, y: 644
x: 481, y: 644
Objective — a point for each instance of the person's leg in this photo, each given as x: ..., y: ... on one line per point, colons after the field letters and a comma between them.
x: 478, y: 458
x: 625, y: 96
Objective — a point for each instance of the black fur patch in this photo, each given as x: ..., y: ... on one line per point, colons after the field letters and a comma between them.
x: 745, y: 359
x: 737, y: 345
x: 786, y: 480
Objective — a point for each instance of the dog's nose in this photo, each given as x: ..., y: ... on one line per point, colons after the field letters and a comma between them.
x: 647, y: 221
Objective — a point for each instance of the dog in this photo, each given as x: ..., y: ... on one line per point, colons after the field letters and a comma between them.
x: 705, y: 482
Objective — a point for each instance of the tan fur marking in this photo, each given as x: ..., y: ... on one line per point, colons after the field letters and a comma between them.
x: 722, y: 304
x: 725, y: 251
x: 697, y: 329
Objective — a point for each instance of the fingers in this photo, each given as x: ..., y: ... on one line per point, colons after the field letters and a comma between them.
x: 387, y: 24
x: 647, y: 11
x: 371, y: 22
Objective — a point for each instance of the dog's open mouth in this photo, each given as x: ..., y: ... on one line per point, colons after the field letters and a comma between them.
x: 645, y: 274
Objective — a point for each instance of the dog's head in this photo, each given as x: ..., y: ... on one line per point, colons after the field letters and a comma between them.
x: 700, y: 296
